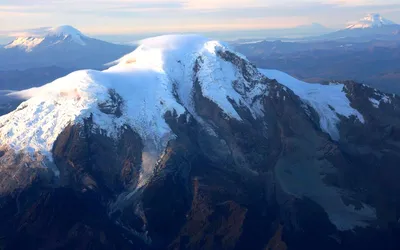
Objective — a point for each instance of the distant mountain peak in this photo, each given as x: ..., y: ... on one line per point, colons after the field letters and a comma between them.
x: 52, y: 35
x: 373, y: 20
x: 66, y: 31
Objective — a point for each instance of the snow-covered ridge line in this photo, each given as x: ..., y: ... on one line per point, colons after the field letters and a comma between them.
x: 327, y: 100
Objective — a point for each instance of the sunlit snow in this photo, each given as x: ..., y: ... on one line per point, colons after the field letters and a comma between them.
x: 328, y: 101
x: 147, y: 80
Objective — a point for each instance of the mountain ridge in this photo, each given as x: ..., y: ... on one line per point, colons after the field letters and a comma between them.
x: 184, y: 144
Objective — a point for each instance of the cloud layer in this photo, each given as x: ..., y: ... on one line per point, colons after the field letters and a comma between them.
x: 135, y: 16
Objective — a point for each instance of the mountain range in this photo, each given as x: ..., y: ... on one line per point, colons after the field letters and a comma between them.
x: 67, y: 47
x: 367, y: 51
x: 185, y: 144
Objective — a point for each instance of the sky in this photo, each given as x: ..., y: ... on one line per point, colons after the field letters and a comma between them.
x: 119, y: 17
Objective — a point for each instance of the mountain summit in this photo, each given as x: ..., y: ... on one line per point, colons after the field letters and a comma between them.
x: 185, y: 144
x: 46, y: 37
x: 371, y: 21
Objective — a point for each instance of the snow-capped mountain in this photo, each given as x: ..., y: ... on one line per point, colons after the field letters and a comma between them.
x: 47, y: 37
x: 371, y: 27
x: 183, y: 142
x: 82, y: 92
x: 371, y: 21
x: 62, y: 46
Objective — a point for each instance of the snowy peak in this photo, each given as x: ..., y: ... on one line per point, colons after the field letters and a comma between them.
x: 47, y: 37
x: 371, y: 21
x: 164, y: 74
x: 67, y: 31
x: 159, y: 76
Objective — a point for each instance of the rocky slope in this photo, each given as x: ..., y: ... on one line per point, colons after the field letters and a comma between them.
x: 184, y: 144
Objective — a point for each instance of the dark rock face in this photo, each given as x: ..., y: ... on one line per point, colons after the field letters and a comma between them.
x: 273, y: 182
x: 89, y: 160
x: 19, y: 171
x: 114, y: 105
x: 375, y: 148
x: 41, y: 211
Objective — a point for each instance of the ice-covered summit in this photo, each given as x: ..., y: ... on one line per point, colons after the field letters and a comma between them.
x: 371, y: 21
x: 159, y: 76
x: 172, y: 76
x: 46, y: 37
x: 67, y: 31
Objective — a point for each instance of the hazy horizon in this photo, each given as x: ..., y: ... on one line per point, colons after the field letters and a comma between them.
x: 114, y: 20
x: 222, y: 35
